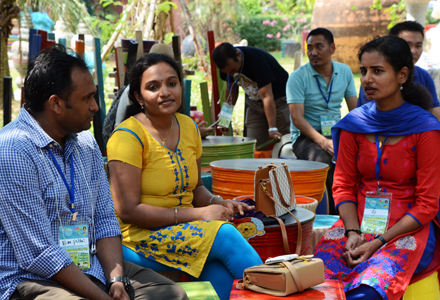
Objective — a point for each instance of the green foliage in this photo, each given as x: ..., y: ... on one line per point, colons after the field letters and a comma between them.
x: 397, y: 13
x: 165, y: 7
x: 106, y: 19
x: 430, y: 19
x: 377, y: 5
x: 71, y: 11
x: 252, y: 7
x: 267, y: 31
x: 303, y: 6
x: 285, y: 6
x: 168, y: 38
x: 106, y: 3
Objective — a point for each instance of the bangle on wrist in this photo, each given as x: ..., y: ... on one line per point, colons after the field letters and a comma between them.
x: 273, y: 129
x: 353, y: 230
x: 175, y: 215
x: 380, y: 238
x: 212, y: 198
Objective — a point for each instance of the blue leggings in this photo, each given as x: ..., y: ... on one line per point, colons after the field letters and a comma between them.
x: 363, y: 292
x: 230, y: 254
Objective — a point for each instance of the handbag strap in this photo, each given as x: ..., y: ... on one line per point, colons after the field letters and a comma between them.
x: 240, y: 284
x: 295, y: 275
x: 283, y: 234
x: 289, y: 178
x: 299, y: 239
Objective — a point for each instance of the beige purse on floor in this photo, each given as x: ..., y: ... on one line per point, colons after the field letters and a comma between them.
x: 284, y: 278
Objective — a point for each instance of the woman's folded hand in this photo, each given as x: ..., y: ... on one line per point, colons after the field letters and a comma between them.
x: 361, y: 253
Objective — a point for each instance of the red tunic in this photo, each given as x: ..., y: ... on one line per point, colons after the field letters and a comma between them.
x: 410, y: 170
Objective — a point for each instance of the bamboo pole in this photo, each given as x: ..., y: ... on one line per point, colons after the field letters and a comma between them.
x: 107, y: 49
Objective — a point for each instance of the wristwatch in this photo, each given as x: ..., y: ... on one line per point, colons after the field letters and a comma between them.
x: 123, y: 279
x: 272, y: 129
x: 380, y: 238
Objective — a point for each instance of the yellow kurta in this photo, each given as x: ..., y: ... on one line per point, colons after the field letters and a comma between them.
x: 168, y: 179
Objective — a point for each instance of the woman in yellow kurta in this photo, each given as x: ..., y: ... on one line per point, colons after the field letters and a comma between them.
x: 168, y: 218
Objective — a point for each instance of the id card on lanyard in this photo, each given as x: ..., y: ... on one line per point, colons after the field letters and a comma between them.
x: 225, y: 115
x: 73, y: 233
x: 73, y: 237
x: 327, y: 120
x: 377, y: 204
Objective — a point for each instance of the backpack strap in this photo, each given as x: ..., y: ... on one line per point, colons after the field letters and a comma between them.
x: 128, y: 130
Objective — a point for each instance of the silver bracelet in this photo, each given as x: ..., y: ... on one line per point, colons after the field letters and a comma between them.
x: 273, y: 129
x: 210, y: 200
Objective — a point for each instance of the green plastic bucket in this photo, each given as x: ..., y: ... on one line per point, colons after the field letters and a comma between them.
x: 226, y: 147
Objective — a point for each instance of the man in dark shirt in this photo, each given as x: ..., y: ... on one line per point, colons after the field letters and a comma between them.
x: 413, y: 33
x: 264, y: 82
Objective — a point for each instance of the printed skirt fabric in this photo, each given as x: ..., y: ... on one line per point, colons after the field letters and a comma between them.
x: 388, y: 270
x: 184, y: 246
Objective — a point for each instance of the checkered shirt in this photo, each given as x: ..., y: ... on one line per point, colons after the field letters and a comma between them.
x: 33, y: 195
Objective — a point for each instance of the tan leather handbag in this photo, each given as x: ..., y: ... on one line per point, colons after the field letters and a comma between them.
x: 267, y: 180
x: 274, y: 183
x: 284, y: 278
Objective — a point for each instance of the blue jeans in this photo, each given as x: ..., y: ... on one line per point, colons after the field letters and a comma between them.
x: 230, y: 254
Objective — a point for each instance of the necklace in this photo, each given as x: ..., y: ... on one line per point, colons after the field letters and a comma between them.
x: 169, y: 132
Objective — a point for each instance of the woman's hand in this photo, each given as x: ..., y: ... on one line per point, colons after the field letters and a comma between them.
x: 361, y: 253
x: 216, y: 212
x: 236, y: 207
x: 354, y: 241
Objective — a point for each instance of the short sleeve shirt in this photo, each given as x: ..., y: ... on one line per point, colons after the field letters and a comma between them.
x: 302, y: 87
x: 259, y: 69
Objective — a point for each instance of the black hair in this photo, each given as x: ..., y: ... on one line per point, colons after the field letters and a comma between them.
x: 412, y: 26
x: 136, y: 73
x: 324, y: 32
x: 397, y: 53
x: 50, y: 73
x: 222, y: 53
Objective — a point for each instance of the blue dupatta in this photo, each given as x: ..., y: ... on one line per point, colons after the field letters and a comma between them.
x: 404, y: 120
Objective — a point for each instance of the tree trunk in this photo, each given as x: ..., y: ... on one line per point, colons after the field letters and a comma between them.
x: 4, y: 65
x: 198, y: 46
x: 173, y: 28
x: 160, y: 26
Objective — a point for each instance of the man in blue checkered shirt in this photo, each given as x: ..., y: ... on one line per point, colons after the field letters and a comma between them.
x: 59, y: 237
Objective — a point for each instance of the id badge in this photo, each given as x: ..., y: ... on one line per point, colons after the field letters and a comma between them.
x: 225, y: 116
x: 376, y: 212
x: 327, y: 122
x: 73, y: 236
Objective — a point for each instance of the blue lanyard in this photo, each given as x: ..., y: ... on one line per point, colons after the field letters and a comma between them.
x: 236, y: 81
x: 322, y: 93
x: 379, y: 148
x: 70, y: 190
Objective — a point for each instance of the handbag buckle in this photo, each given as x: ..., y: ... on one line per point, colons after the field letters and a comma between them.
x: 263, y: 185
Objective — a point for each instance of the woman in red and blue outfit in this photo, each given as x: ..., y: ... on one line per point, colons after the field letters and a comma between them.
x: 387, y: 181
